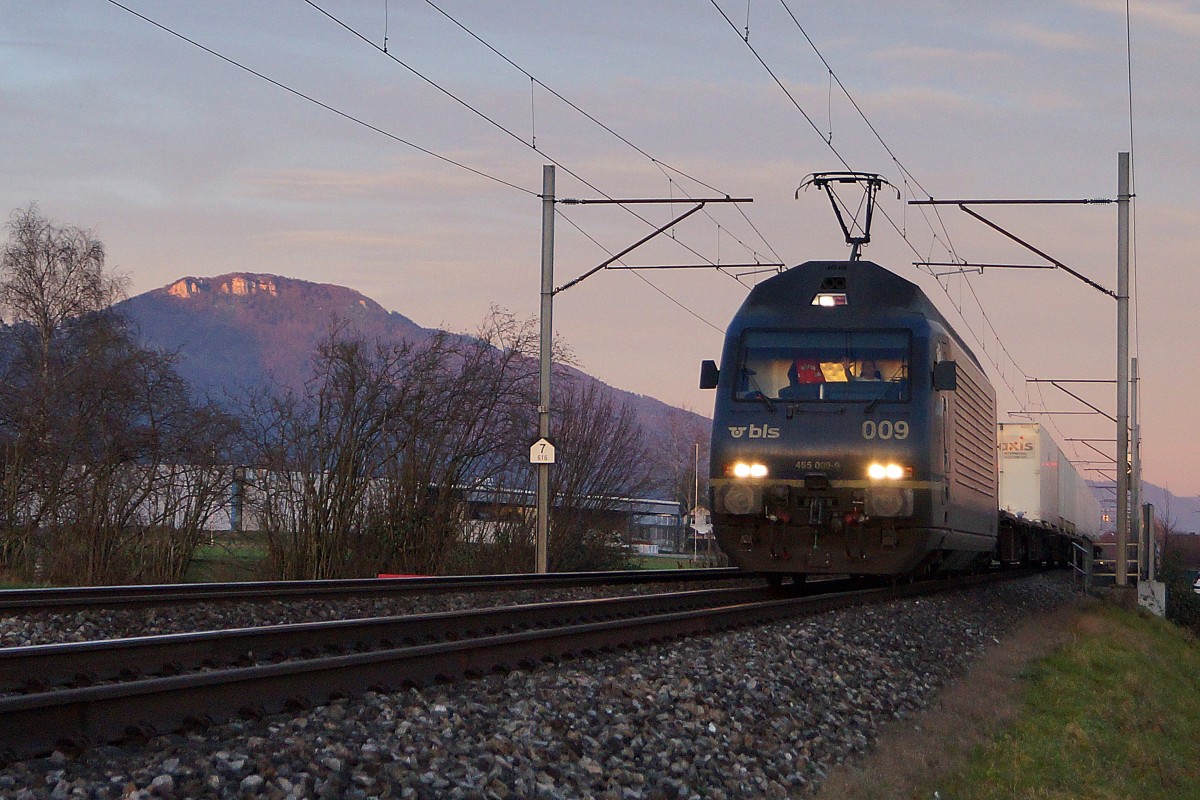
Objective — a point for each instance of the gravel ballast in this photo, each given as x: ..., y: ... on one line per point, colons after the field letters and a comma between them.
x: 761, y: 712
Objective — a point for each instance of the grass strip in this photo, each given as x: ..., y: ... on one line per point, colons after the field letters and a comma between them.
x: 1114, y: 714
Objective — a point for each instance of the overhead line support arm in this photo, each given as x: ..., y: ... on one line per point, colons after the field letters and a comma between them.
x: 633, y: 246
x: 1085, y: 402
x: 1033, y: 249
x: 700, y: 203
x: 962, y: 204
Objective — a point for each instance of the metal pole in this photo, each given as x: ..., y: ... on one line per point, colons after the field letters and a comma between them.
x: 696, y: 507
x: 547, y: 322
x: 1135, y: 471
x: 1148, y: 524
x: 1123, y: 197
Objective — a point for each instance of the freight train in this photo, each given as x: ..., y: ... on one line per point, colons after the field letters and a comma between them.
x: 855, y: 433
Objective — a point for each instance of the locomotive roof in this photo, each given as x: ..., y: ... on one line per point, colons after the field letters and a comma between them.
x: 873, y: 294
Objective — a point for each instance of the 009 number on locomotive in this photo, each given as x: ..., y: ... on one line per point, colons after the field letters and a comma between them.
x: 885, y: 429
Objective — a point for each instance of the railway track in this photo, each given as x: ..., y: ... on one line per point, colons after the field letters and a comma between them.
x: 376, y: 655
x: 79, y: 598
x: 44, y: 667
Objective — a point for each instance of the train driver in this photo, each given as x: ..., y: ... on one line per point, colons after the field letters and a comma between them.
x: 868, y: 370
x: 801, y: 372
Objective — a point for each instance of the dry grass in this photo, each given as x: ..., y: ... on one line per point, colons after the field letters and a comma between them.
x: 969, y: 713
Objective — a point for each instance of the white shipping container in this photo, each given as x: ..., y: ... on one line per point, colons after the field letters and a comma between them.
x: 1038, y: 483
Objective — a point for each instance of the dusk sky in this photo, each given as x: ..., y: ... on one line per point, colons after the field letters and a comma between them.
x: 184, y: 164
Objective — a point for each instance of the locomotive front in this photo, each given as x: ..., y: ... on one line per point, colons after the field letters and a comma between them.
x: 829, y: 446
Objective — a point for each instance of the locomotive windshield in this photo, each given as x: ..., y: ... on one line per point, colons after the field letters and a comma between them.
x: 829, y: 366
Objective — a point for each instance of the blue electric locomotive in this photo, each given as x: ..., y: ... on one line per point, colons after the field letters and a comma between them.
x: 853, y: 430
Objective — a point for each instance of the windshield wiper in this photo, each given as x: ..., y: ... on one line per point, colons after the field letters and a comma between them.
x: 758, y: 393
x: 878, y: 399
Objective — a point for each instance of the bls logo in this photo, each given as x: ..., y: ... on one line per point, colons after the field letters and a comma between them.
x: 753, y: 432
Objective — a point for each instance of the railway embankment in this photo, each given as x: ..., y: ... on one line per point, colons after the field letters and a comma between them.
x: 767, y: 711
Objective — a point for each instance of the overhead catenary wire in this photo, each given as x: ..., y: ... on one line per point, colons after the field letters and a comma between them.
x: 663, y: 166
x: 346, y: 115
x: 567, y: 101
x: 904, y: 171
x: 487, y: 118
x: 807, y: 117
x: 343, y: 114
x: 532, y: 145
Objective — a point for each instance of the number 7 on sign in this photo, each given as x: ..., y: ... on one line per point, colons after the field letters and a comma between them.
x: 541, y: 452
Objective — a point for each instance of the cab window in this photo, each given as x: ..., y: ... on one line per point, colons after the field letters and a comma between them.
x: 824, y: 366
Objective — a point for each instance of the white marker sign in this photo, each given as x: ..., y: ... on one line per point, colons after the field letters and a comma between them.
x: 542, y: 452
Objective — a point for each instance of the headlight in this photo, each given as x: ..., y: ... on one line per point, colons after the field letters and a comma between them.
x: 892, y: 472
x: 743, y: 470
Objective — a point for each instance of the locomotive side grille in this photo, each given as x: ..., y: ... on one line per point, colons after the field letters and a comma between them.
x: 974, y: 439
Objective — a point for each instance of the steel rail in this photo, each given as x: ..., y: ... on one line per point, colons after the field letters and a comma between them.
x: 35, y: 724
x: 37, y: 668
x: 74, y: 598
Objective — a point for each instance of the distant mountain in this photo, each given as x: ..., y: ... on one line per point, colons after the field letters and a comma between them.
x: 1179, y: 512
x: 245, y: 329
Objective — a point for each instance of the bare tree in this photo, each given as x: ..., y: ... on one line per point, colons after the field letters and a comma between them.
x: 53, y: 275
x: 94, y: 428
x: 317, y: 451
x: 366, y: 468
x: 463, y: 423
x: 602, y: 459
x: 54, y: 290
x: 377, y: 464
